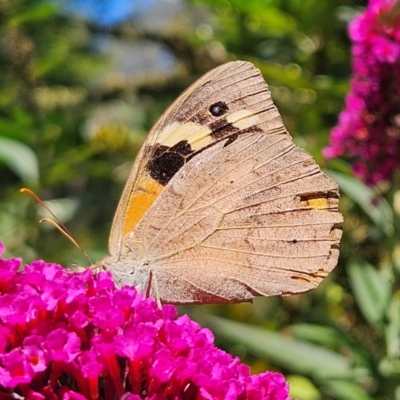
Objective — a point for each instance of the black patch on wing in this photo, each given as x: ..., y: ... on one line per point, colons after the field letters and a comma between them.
x: 167, y: 161
x: 222, y: 128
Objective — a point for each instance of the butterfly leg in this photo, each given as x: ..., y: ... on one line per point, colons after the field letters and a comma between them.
x: 156, y: 294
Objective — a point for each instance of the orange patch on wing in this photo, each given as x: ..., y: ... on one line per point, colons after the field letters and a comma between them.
x: 140, y: 201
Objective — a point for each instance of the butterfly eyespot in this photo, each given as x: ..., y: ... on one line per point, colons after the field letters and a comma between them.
x: 219, y: 108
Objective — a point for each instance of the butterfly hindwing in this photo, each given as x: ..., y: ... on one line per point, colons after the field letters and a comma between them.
x: 239, y: 224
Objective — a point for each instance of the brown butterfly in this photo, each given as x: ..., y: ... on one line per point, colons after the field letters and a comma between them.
x: 221, y: 206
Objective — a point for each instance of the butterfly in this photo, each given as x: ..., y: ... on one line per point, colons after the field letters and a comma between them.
x: 220, y: 205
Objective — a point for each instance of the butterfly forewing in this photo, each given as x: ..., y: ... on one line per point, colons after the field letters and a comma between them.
x: 226, y: 102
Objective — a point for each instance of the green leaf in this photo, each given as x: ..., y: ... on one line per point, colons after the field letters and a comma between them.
x: 20, y: 159
x: 35, y: 13
x: 302, y: 388
x: 17, y: 123
x: 323, y: 335
x: 333, y: 336
x: 295, y: 355
x: 392, y: 329
x: 346, y: 390
x: 374, y: 205
x: 65, y: 208
x: 328, y: 336
x: 371, y: 291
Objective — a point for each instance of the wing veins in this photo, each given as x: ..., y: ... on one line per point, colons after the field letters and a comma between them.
x: 265, y: 188
x: 221, y: 269
x: 257, y: 253
x: 236, y: 165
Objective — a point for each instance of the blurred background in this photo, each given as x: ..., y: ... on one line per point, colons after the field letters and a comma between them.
x: 82, y: 82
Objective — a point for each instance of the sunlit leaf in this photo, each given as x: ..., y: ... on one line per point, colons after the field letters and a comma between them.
x: 392, y: 329
x: 371, y: 290
x: 302, y: 388
x: 334, y: 337
x: 296, y: 355
x: 324, y: 335
x: 20, y: 159
x: 346, y: 390
x: 63, y: 208
x: 34, y: 13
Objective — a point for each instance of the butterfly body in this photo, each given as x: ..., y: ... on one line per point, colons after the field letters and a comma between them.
x: 220, y: 205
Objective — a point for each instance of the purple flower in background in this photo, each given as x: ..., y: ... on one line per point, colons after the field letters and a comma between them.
x: 67, y: 335
x: 368, y: 131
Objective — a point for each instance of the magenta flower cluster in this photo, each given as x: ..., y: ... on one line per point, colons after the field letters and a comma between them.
x: 68, y: 335
x: 368, y: 131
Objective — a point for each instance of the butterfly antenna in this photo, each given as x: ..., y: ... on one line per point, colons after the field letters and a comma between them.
x: 56, y: 222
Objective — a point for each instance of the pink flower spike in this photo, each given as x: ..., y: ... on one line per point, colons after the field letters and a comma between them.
x: 32, y: 348
x: 91, y: 370
x: 106, y: 316
x: 130, y: 396
x: 71, y: 395
x: 79, y: 320
x: 16, y: 369
x: 8, y: 269
x: 105, y: 352
x: 135, y: 375
x: 70, y: 335
x: 89, y: 365
x: 35, y: 396
x: 62, y: 345
x: 367, y: 127
x: 126, y: 299
x: 103, y: 281
x: 270, y: 385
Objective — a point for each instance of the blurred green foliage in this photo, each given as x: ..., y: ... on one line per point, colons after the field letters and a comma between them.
x: 76, y: 100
